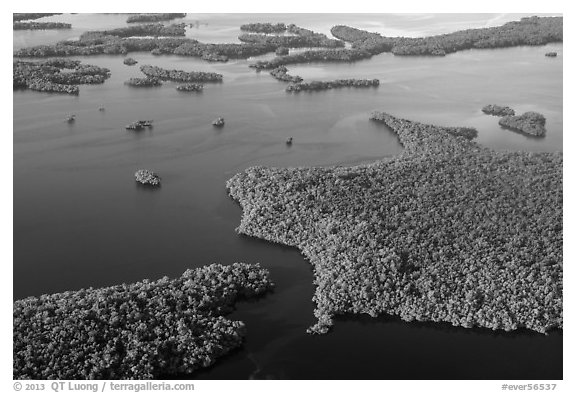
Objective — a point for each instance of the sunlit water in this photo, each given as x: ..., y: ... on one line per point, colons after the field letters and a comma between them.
x: 80, y: 220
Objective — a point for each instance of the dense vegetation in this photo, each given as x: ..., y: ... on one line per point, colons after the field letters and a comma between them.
x: 281, y: 73
x: 290, y: 41
x: 153, y: 17
x: 95, y: 43
x: 301, y: 38
x: 143, y: 82
x: 152, y: 30
x: 145, y: 176
x: 56, y: 75
x: 335, y: 84
x: 447, y: 231
x: 324, y: 55
x: 282, y: 51
x: 266, y: 28
x: 120, y: 41
x: 180, y: 76
x: 21, y: 16
x: 528, y: 31
x: 130, y: 61
x: 40, y: 25
x: 530, y: 123
x: 134, y: 331
x: 497, y: 110
x: 218, y: 122
x: 193, y: 87
x: 222, y: 51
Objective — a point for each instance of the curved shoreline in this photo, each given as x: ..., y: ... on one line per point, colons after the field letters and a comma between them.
x: 527, y: 31
x: 134, y: 331
x: 415, y: 235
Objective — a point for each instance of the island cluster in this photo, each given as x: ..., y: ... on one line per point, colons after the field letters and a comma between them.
x: 56, y: 75
x: 153, y: 17
x: 190, y: 87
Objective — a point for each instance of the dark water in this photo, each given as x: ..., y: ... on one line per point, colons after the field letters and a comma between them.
x: 80, y: 220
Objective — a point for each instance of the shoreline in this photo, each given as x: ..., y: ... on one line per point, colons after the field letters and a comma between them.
x: 270, y: 215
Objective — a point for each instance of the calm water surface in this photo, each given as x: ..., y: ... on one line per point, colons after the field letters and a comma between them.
x: 80, y: 220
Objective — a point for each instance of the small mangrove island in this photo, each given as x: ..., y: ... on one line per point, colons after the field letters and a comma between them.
x: 335, y: 84
x: 148, y: 30
x: 266, y: 28
x: 145, y: 330
x: 497, y: 110
x: 448, y: 231
x: 530, y: 123
x: 191, y: 87
x: 180, y: 76
x: 153, y: 17
x: 219, y: 122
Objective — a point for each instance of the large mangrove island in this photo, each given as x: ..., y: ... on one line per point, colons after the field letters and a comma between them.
x: 146, y: 330
x: 448, y: 231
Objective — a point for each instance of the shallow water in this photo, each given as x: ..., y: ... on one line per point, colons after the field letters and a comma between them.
x: 80, y: 220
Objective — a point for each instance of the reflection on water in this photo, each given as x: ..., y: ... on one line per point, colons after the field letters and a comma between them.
x: 80, y: 220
